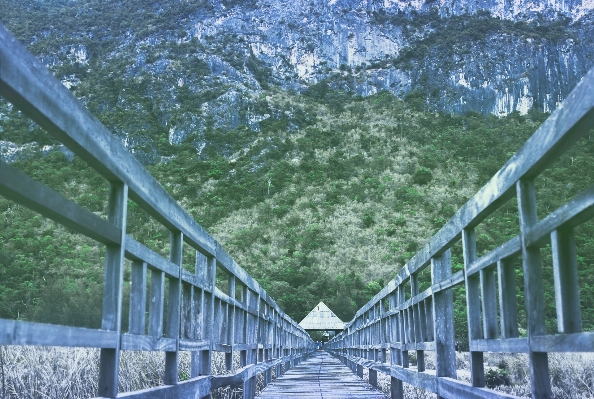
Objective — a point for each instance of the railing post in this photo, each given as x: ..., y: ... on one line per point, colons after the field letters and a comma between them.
x: 250, y: 334
x: 384, y: 336
x: 206, y: 270
x: 112, y: 291
x: 533, y: 290
x: 417, y: 325
x: 173, y: 309
x: 443, y: 322
x: 507, y: 299
x: 489, y: 299
x: 137, y: 316
x: 403, y: 322
x: 567, y: 289
x: 230, y: 324
x: 477, y: 371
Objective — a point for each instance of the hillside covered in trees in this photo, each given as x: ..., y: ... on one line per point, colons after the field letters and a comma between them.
x: 329, y: 210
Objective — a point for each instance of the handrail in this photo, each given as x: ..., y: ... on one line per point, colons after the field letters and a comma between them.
x: 200, y: 317
x: 425, y: 322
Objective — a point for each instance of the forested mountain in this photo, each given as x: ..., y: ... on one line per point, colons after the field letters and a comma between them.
x: 322, y: 143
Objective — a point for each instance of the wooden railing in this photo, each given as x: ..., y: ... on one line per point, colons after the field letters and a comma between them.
x: 200, y: 318
x: 425, y: 322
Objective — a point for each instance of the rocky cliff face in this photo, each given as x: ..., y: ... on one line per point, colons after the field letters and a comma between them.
x: 511, y: 56
x: 175, y: 69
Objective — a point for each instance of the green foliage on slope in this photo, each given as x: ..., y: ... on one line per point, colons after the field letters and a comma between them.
x: 330, y: 211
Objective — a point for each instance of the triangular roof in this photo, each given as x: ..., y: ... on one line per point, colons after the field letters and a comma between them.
x: 321, y: 318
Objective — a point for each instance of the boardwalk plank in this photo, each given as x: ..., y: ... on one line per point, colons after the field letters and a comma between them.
x: 322, y: 377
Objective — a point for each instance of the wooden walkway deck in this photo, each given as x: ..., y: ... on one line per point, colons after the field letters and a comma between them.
x: 322, y: 376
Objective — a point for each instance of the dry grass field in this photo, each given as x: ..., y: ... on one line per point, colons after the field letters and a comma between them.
x: 64, y: 373
x: 68, y: 373
x: 572, y: 375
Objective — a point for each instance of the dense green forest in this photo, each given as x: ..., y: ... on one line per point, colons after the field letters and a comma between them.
x: 330, y: 211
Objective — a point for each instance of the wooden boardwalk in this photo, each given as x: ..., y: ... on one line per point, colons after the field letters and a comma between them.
x: 321, y: 376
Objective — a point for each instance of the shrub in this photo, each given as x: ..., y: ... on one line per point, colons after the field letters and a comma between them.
x: 497, y: 377
x: 422, y: 176
x: 368, y: 219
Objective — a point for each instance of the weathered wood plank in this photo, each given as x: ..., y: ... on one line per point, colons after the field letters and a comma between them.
x: 451, y: 388
x: 443, y: 323
x: 509, y: 345
x: 18, y: 187
x: 533, y: 290
x: 193, y: 345
x: 13, y: 332
x: 137, y: 316
x: 320, y: 376
x: 111, y: 316
x: 579, y: 342
x: 477, y: 371
x: 567, y: 289
x: 489, y: 300
x: 199, y: 387
x: 148, y: 343
x: 174, y: 308
x: 569, y: 215
x: 504, y: 251
x: 507, y: 299
x: 136, y: 251
x: 156, y: 303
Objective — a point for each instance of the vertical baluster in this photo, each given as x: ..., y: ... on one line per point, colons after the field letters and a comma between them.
x: 477, y: 371
x: 173, y: 309
x: 243, y: 354
x: 403, y: 322
x: 396, y: 387
x: 231, y: 325
x: 187, y: 311
x: 416, y: 321
x: 384, y: 332
x: 443, y: 318
x: 489, y: 299
x: 137, y: 316
x: 533, y: 290
x: 507, y: 298
x: 111, y: 318
x: 197, y: 314
x: 429, y: 319
x: 567, y: 290
x: 250, y: 330
x: 201, y: 360
x: 268, y: 344
x: 156, y: 303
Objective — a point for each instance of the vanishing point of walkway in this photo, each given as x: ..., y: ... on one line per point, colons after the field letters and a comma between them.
x: 321, y: 376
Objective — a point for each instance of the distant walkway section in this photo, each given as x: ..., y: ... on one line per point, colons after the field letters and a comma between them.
x: 322, y: 377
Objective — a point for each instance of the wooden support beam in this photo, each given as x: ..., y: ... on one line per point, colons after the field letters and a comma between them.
x: 174, y: 308
x: 567, y: 289
x: 533, y: 291
x: 477, y: 371
x: 111, y: 319
x: 489, y: 301
x: 507, y: 298
x: 137, y: 316
x: 443, y: 322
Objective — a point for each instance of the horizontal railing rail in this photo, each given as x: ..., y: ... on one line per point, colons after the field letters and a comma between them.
x: 390, y: 323
x: 200, y: 318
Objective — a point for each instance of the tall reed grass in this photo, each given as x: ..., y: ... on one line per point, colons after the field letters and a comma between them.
x: 572, y: 374
x: 68, y: 373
